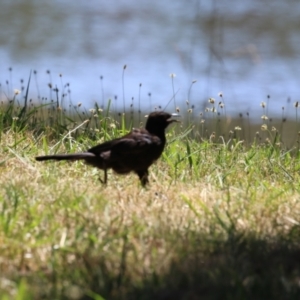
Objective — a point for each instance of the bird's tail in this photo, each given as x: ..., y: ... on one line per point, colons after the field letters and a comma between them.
x: 75, y: 156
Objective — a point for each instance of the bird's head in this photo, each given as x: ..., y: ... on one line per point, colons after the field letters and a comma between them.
x: 158, y: 121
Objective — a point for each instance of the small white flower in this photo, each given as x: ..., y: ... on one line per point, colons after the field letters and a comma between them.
x: 264, y: 127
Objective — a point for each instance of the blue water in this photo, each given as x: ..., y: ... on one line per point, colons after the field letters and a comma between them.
x: 246, y: 49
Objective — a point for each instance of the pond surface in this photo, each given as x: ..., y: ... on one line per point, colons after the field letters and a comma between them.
x: 246, y: 49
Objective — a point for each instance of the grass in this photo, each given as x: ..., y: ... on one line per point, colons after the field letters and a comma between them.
x: 220, y: 219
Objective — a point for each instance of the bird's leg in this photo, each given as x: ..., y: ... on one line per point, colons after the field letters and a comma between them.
x: 105, y: 177
x: 143, y: 175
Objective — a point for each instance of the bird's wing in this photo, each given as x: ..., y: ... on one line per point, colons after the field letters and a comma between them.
x: 134, y: 142
x: 134, y: 145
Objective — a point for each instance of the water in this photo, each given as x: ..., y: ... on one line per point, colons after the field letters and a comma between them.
x: 246, y: 49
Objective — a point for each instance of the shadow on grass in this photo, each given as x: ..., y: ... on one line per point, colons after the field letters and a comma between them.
x: 239, y: 268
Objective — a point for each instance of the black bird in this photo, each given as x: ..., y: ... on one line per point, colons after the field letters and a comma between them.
x: 134, y: 152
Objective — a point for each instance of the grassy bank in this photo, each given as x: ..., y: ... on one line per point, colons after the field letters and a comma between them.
x: 220, y: 219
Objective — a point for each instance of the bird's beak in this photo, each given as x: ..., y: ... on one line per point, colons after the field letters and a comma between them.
x: 174, y: 118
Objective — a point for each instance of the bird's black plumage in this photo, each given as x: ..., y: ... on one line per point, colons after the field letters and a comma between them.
x: 134, y: 152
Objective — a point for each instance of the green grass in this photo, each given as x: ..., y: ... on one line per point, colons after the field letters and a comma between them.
x: 220, y: 219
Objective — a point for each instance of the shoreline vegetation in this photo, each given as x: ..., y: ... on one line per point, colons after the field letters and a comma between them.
x: 220, y: 219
